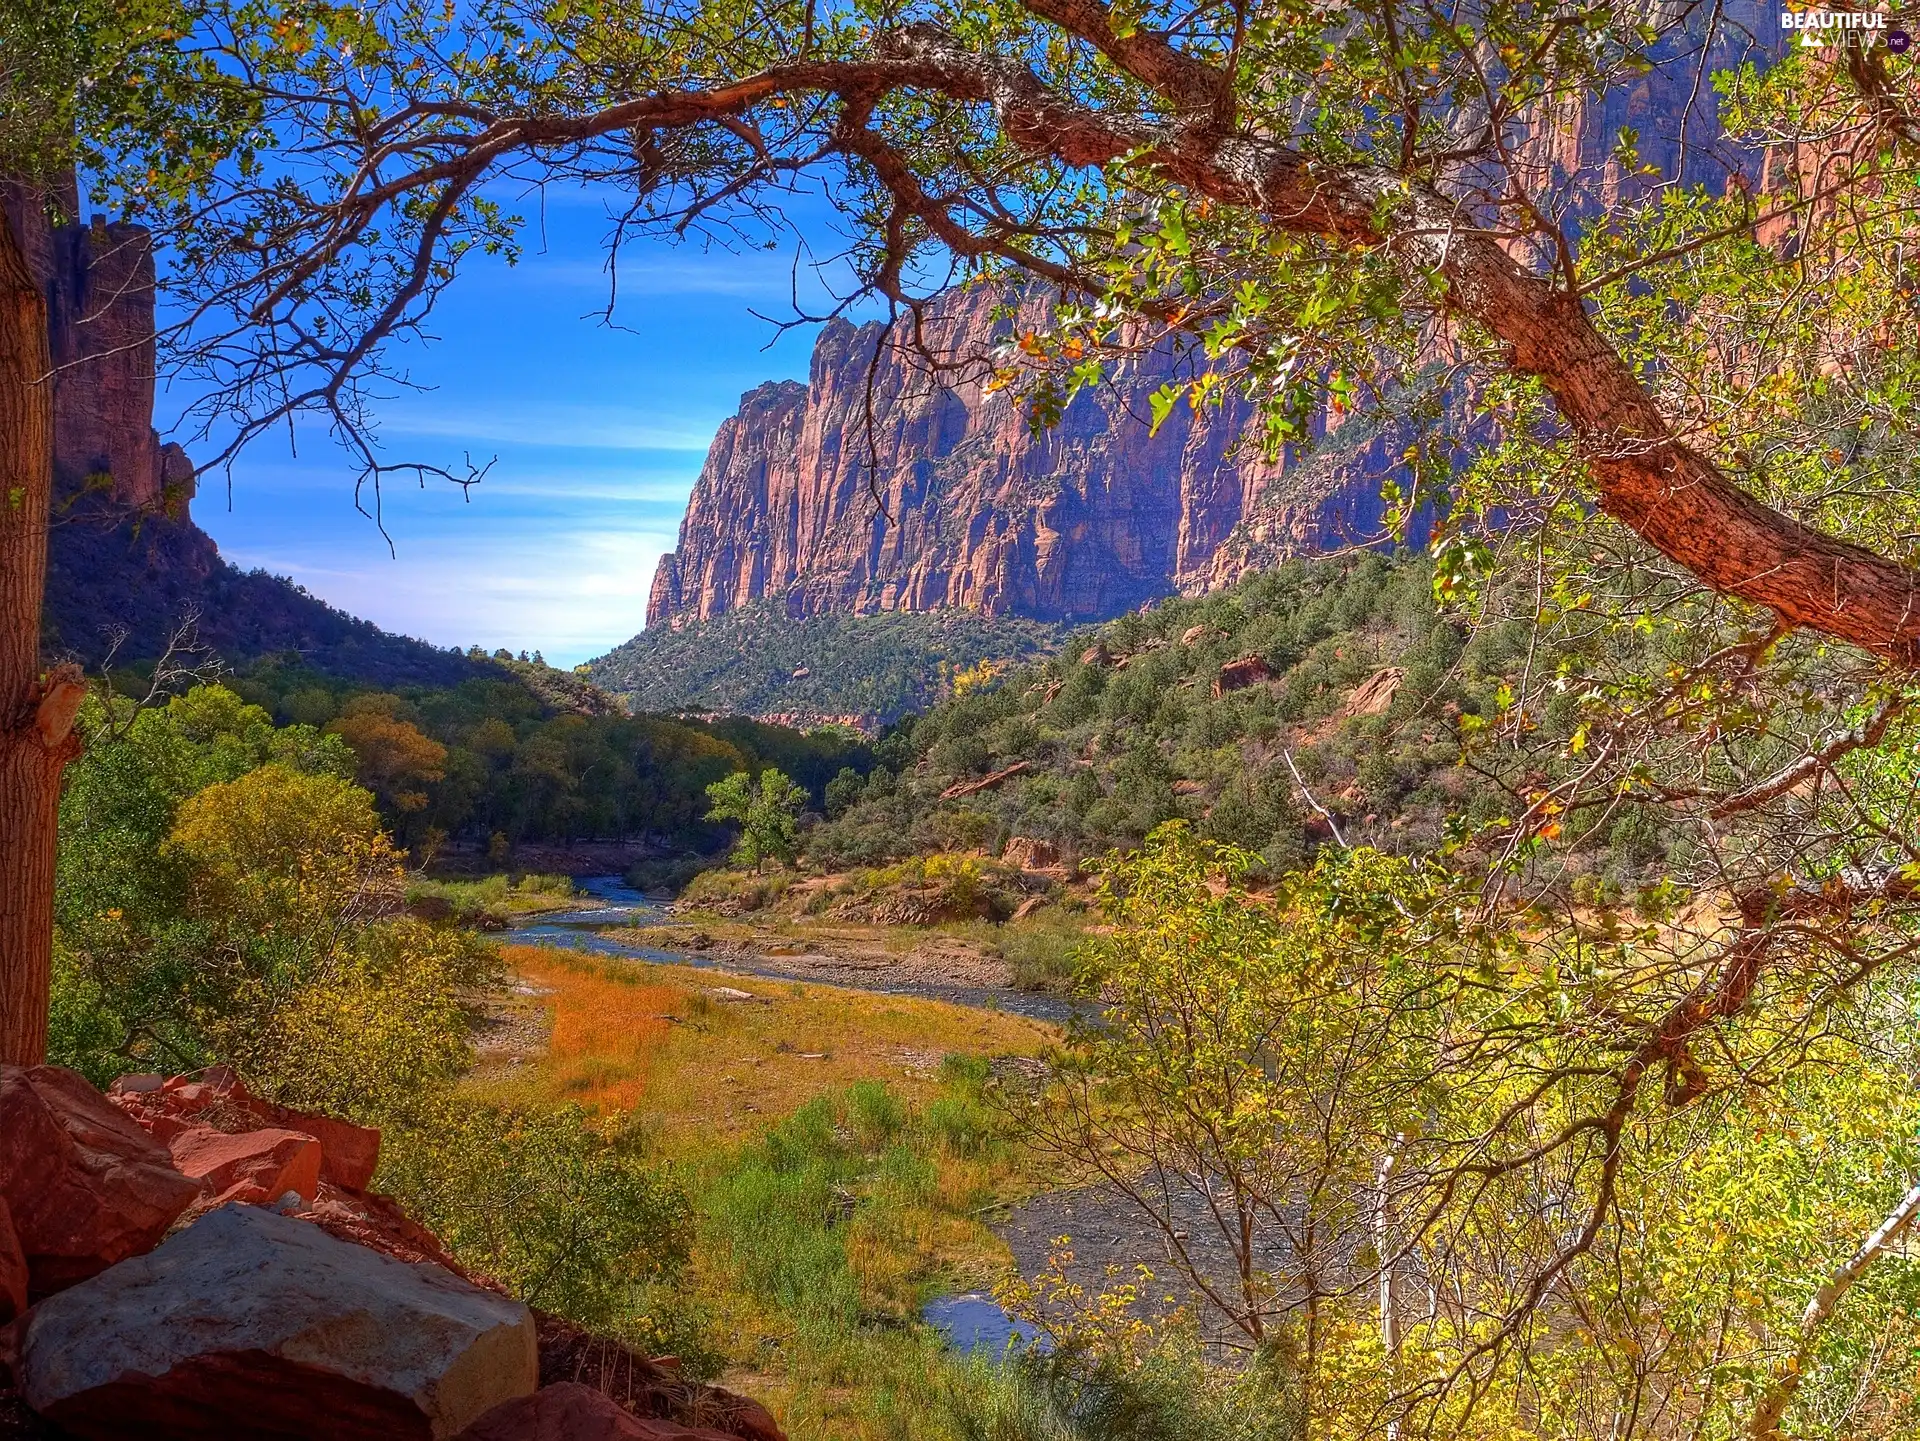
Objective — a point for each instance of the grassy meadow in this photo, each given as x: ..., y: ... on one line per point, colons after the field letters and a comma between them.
x: 840, y: 1150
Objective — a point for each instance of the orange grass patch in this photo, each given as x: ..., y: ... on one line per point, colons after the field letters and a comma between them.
x: 607, y: 1028
x: 720, y: 1071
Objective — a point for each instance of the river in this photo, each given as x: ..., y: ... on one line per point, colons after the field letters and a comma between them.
x: 617, y: 905
x: 971, y: 1321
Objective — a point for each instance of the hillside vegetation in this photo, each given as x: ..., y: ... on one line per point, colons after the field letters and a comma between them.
x: 756, y: 661
x: 1193, y: 710
x: 523, y: 752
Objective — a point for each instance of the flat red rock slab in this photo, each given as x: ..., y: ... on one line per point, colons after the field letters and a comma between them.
x: 271, y: 1159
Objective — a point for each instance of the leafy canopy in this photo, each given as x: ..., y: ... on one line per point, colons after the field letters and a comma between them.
x: 767, y: 810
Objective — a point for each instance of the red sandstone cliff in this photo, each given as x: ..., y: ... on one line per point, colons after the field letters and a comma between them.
x: 1094, y: 516
x: 100, y: 304
x: 126, y: 565
x: 1082, y: 520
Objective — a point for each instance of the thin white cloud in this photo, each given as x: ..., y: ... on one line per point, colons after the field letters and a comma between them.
x: 575, y: 594
x: 763, y: 277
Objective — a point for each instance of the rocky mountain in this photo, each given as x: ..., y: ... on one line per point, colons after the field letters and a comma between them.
x: 911, y: 484
x: 127, y: 567
x: 951, y: 499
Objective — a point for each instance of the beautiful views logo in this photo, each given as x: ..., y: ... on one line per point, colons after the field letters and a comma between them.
x: 1863, y: 28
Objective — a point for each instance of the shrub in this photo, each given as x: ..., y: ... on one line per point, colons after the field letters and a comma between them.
x: 382, y: 1027
x: 1169, y: 1395
x: 1043, y: 955
x: 570, y: 1215
x: 875, y: 1113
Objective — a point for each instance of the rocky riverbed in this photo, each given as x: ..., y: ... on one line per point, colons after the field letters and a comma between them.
x: 617, y: 920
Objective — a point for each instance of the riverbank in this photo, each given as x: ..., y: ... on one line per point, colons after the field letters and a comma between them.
x: 715, y: 1059
x: 970, y: 963
x: 842, y: 1151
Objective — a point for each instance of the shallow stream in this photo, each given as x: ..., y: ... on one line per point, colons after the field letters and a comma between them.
x: 971, y: 1321
x: 619, y: 905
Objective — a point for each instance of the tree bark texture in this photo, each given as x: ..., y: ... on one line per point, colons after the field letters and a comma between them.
x: 36, y: 709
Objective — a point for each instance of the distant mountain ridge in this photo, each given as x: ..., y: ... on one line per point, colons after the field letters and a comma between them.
x: 127, y: 567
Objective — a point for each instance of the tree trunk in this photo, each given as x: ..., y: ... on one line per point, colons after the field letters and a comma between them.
x: 36, y: 710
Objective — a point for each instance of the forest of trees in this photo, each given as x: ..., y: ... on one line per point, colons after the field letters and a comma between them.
x: 533, y: 756
x: 756, y: 661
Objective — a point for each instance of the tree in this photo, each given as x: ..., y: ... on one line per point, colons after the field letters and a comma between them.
x: 69, y: 75
x: 226, y: 894
x: 1232, y: 1091
x: 397, y: 761
x: 1343, y: 1114
x: 766, y: 812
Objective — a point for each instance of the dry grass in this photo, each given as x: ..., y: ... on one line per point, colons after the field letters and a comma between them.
x: 710, y: 1072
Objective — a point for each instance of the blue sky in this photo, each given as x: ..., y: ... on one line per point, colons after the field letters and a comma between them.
x: 599, y: 433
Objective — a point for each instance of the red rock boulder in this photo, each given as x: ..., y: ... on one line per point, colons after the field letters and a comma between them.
x: 652, y: 1389
x: 349, y: 1154
x: 13, y: 1269
x: 1239, y: 674
x: 84, y: 1185
x: 253, y: 1166
x: 1030, y: 853
x: 572, y: 1412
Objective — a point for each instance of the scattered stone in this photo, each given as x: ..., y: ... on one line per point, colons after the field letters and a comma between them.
x: 251, y: 1324
x: 1030, y: 853
x: 85, y: 1186
x: 1026, y: 908
x: 1095, y: 654
x: 1189, y: 788
x: 1239, y: 674
x: 253, y: 1166
x: 349, y: 1154
x: 734, y: 994
x: 1374, y: 695
x: 1196, y: 633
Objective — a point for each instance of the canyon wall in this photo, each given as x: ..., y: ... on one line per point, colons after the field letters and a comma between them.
x: 949, y: 499
x: 127, y: 569
x: 99, y: 285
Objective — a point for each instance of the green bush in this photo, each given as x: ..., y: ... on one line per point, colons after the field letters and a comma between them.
x: 1042, y: 954
x: 572, y: 1216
